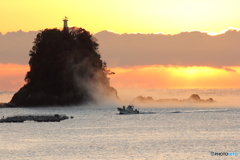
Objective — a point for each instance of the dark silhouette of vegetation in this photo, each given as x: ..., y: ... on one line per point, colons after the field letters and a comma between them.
x: 65, y: 69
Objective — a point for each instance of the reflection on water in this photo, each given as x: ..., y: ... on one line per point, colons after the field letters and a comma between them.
x: 104, y: 134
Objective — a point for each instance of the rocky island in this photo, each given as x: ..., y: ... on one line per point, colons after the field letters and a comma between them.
x: 65, y: 69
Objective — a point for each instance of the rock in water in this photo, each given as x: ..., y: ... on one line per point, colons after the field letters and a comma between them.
x: 194, y: 97
x: 37, y: 118
x: 65, y: 69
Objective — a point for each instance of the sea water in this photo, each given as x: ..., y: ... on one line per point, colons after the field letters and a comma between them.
x: 104, y: 134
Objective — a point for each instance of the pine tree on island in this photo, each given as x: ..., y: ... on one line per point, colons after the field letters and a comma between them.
x: 65, y: 69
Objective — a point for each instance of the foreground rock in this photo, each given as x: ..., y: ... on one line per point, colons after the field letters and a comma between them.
x: 37, y: 118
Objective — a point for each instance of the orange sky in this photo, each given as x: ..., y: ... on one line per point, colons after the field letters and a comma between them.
x: 122, y: 16
x: 175, y: 77
x: 12, y: 76
x: 144, y: 77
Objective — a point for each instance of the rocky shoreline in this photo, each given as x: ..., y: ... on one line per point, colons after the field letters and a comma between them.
x: 5, y: 105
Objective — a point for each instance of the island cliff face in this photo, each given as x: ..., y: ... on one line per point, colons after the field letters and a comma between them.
x: 65, y: 69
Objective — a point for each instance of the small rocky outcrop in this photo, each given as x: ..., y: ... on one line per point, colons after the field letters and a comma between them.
x: 144, y: 99
x: 36, y: 118
x: 194, y: 98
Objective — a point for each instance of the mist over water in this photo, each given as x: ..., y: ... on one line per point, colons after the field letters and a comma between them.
x: 225, y: 98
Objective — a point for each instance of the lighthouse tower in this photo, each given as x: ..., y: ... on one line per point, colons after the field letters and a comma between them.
x: 65, y: 25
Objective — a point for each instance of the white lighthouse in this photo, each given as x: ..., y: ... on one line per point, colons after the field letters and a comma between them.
x: 65, y: 25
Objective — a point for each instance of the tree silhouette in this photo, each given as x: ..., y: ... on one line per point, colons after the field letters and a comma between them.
x: 65, y: 69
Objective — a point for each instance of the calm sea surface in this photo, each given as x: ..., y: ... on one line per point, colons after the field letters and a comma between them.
x: 104, y: 134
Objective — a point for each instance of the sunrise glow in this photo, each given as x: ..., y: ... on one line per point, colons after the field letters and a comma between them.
x: 182, y: 56
x: 132, y: 79
x: 175, y: 77
x: 145, y: 77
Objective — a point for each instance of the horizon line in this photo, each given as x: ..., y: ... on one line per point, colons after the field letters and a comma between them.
x: 155, y: 33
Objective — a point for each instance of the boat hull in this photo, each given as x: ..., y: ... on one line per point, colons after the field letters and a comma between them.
x: 123, y: 111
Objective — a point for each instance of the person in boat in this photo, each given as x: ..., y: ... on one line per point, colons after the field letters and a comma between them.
x: 123, y: 107
x: 130, y: 107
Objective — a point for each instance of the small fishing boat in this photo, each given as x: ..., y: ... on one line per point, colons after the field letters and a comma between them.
x: 128, y: 110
